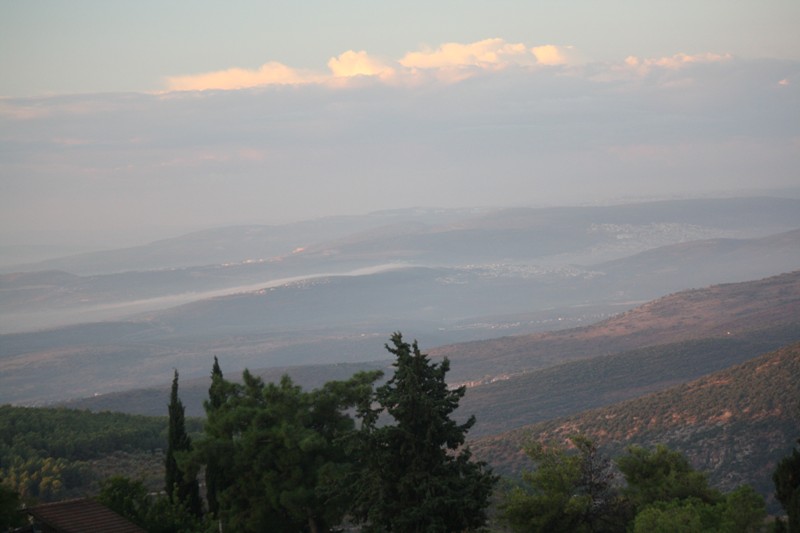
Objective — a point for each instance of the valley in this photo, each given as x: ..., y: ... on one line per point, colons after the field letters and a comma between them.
x: 557, y: 321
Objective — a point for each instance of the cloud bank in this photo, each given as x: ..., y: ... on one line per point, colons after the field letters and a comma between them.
x: 483, y: 123
x: 448, y: 62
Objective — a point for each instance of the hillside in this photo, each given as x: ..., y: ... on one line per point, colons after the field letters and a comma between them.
x: 573, y: 387
x: 716, y: 312
x: 674, y: 339
x: 734, y: 424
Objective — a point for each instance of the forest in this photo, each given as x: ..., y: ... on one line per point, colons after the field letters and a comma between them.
x: 353, y: 455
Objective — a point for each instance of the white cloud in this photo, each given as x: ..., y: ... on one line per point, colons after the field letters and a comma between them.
x: 271, y: 73
x: 352, y: 63
x: 449, y: 63
x: 489, y: 53
x: 550, y: 54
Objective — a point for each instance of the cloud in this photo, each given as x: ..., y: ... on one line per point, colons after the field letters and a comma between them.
x: 552, y: 55
x: 674, y: 62
x: 448, y: 63
x: 520, y: 132
x: 272, y: 73
x: 488, y: 53
x: 352, y: 63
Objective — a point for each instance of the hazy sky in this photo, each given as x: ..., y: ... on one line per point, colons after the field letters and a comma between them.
x: 124, y: 122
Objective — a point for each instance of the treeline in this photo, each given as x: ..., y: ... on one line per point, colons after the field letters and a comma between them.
x: 75, y: 435
x: 45, y: 453
x: 391, y: 458
x: 277, y: 458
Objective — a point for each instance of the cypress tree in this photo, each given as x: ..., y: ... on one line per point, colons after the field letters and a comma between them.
x: 181, y: 487
x: 214, y: 470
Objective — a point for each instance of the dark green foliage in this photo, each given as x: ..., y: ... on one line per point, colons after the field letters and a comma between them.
x: 576, y: 492
x: 156, y: 514
x: 741, y: 511
x: 667, y: 494
x: 662, y: 475
x: 75, y: 435
x: 180, y: 479
x: 10, y: 504
x: 416, y: 474
x: 45, y: 452
x: 569, y: 491
x: 126, y: 497
x: 787, y: 487
x: 214, y: 472
x: 278, y: 452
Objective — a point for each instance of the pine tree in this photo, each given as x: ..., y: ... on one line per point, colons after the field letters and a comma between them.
x: 569, y: 490
x: 181, y: 487
x: 418, y: 476
x: 276, y: 455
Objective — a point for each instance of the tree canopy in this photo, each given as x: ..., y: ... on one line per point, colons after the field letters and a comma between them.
x: 274, y: 450
x: 417, y: 475
x: 574, y: 490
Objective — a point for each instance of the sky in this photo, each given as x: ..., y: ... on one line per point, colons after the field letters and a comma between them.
x: 125, y: 122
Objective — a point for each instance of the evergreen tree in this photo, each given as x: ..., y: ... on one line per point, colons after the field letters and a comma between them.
x: 155, y: 514
x: 281, y: 452
x: 569, y: 491
x: 662, y: 475
x: 417, y: 476
x: 215, y: 473
x: 181, y: 485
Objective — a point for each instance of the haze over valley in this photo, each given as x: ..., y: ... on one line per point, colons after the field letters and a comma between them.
x: 330, y: 291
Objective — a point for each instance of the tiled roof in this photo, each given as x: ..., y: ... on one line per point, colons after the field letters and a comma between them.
x: 81, y: 516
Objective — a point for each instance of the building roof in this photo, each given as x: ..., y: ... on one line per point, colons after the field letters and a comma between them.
x: 81, y: 516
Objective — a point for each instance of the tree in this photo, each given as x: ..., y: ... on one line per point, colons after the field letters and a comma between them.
x: 155, y: 514
x: 10, y: 504
x: 126, y: 497
x: 741, y: 511
x: 215, y: 473
x: 181, y: 483
x: 281, y: 451
x: 570, y: 491
x: 787, y: 487
x: 416, y: 474
x: 662, y: 475
x: 669, y: 495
